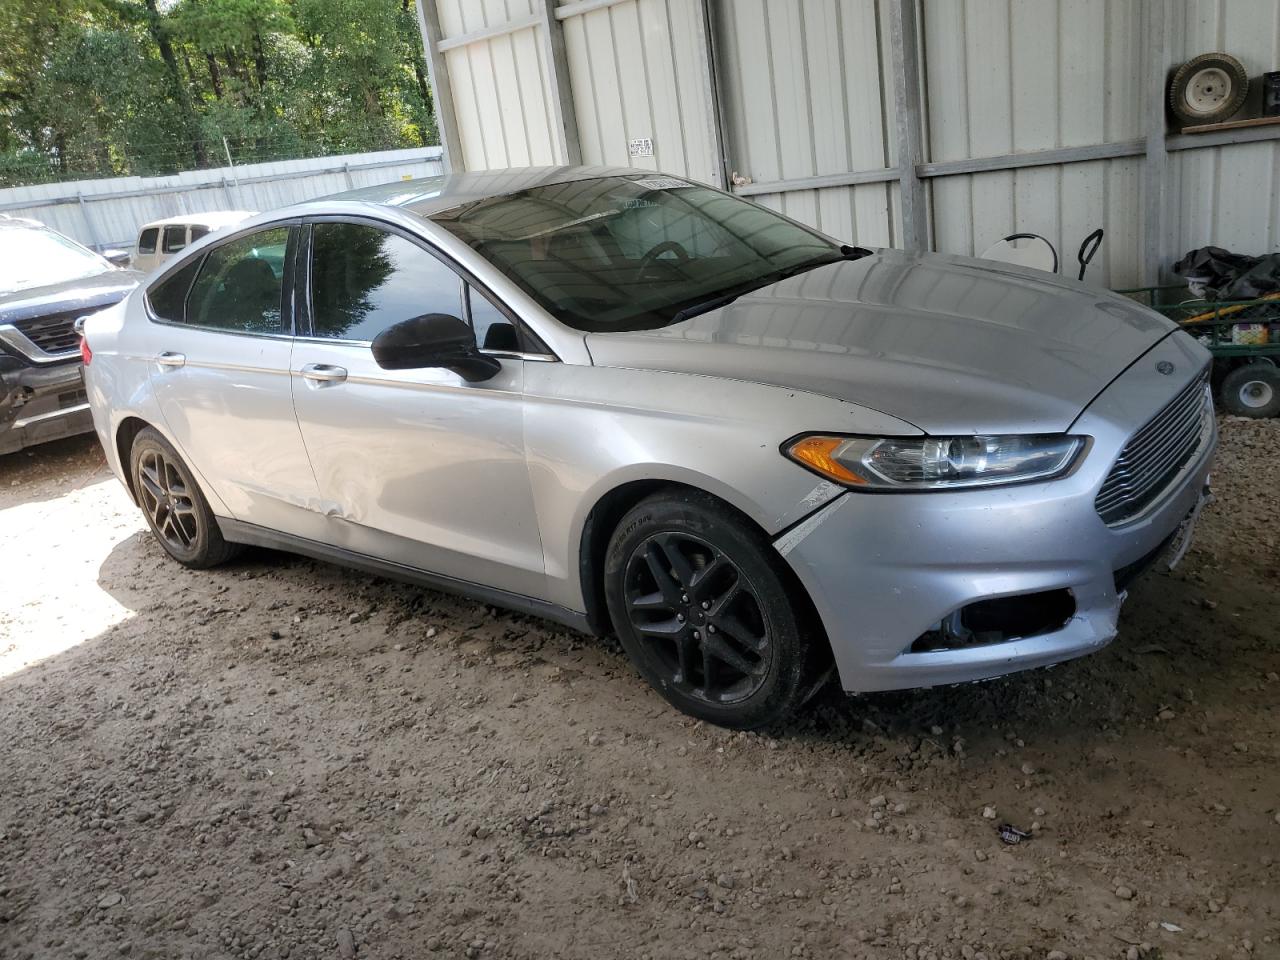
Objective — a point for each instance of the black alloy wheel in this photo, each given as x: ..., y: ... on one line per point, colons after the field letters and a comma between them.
x: 166, y: 498
x: 709, y: 613
x: 699, y: 615
x: 176, y: 511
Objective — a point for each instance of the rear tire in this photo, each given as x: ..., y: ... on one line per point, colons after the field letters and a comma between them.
x: 1252, y: 390
x: 704, y: 609
x: 176, y: 510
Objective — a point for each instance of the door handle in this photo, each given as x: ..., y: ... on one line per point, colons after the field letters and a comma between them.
x: 323, y: 373
x: 171, y: 359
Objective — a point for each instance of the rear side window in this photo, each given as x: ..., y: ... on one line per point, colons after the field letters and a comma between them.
x: 175, y: 238
x: 147, y: 240
x: 239, y: 285
x: 197, y: 232
x: 168, y: 298
x: 364, y: 280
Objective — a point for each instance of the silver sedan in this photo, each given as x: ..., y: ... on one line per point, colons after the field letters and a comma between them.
x: 634, y: 404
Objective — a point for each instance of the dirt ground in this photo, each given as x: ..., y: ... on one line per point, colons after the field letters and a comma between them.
x: 285, y: 759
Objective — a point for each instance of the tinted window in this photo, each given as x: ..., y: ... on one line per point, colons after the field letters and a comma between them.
x: 239, y: 285
x: 494, y: 329
x: 147, y: 240
x: 364, y: 279
x: 175, y: 238
x: 197, y: 232
x: 169, y: 297
x: 633, y: 252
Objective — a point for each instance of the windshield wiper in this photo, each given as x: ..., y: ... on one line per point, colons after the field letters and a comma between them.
x: 723, y: 300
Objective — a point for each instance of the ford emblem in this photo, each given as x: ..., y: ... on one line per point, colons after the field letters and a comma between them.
x: 1165, y: 367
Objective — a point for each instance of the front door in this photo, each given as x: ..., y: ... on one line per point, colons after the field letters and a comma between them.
x: 221, y: 373
x: 418, y: 467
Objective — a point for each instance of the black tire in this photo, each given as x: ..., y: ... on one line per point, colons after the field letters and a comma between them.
x: 176, y: 510
x: 705, y: 610
x: 1208, y: 88
x: 1252, y: 390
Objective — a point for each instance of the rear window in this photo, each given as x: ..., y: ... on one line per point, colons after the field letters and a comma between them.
x: 147, y: 240
x: 197, y: 232
x: 168, y: 298
x: 175, y: 238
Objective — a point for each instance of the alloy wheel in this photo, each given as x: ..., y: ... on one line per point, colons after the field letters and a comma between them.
x: 167, y: 500
x: 698, y: 616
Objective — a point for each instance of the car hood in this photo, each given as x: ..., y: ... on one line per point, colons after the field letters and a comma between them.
x: 952, y: 345
x: 99, y: 290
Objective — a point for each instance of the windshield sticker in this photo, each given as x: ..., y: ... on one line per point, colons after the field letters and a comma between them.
x: 661, y: 183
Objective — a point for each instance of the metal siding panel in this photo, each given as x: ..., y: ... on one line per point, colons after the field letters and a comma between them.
x: 603, y: 87
x: 694, y: 111
x: 633, y: 80
x: 583, y: 88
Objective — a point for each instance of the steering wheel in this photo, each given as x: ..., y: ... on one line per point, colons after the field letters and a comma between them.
x: 666, y: 246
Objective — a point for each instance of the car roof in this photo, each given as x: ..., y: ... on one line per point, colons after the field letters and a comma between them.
x: 20, y: 223
x: 430, y: 195
x: 210, y: 218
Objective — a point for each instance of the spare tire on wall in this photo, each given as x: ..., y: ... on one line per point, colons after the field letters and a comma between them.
x: 1208, y: 88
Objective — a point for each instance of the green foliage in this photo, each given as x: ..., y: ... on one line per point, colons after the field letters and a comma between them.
x: 115, y: 87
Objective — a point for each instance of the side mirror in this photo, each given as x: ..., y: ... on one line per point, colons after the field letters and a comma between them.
x: 117, y: 257
x: 433, y: 340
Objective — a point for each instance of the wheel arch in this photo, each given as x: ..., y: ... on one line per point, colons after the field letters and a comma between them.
x: 603, y: 519
x: 126, y: 431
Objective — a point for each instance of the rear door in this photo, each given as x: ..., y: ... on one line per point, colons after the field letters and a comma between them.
x: 418, y: 467
x: 223, y: 336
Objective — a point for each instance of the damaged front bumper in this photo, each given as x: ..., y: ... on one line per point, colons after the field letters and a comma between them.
x: 922, y: 589
x: 40, y: 403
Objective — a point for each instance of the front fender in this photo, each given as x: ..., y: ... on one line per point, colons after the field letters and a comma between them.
x: 591, y: 430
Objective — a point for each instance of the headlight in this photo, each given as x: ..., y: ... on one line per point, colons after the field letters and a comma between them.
x: 933, y: 463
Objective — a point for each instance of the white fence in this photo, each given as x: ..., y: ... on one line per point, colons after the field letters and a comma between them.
x: 108, y: 213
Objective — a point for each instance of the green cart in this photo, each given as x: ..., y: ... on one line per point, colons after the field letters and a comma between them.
x: 1242, y: 335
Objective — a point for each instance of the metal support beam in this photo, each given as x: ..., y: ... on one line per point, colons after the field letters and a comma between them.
x: 1154, y: 171
x: 704, y: 40
x: 908, y: 110
x: 564, y: 117
x: 441, y: 91
x: 488, y: 33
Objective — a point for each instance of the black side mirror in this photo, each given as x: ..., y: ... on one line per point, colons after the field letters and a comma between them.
x: 433, y: 340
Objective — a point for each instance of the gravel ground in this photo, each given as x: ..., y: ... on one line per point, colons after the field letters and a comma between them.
x: 285, y: 759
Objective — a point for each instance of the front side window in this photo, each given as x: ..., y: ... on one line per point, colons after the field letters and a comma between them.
x: 147, y: 240
x: 633, y: 252
x: 364, y: 279
x: 240, y: 283
x: 175, y: 238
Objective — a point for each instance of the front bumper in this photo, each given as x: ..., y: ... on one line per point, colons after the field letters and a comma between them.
x: 40, y: 403
x: 883, y: 569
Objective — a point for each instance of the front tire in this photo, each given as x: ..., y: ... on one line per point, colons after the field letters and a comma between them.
x: 176, y: 510
x: 704, y: 609
x: 1252, y: 390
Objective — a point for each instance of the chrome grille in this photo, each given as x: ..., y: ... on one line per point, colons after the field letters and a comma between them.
x: 1156, y: 454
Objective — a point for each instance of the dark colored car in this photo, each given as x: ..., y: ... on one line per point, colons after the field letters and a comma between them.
x: 47, y: 282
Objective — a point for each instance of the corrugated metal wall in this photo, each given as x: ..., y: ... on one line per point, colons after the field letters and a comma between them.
x: 633, y: 70
x: 500, y: 89
x: 1228, y: 196
x: 806, y: 92
x: 1004, y: 77
x: 805, y: 95
x: 112, y: 210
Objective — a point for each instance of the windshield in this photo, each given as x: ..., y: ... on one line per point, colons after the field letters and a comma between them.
x: 633, y: 252
x: 36, y: 257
